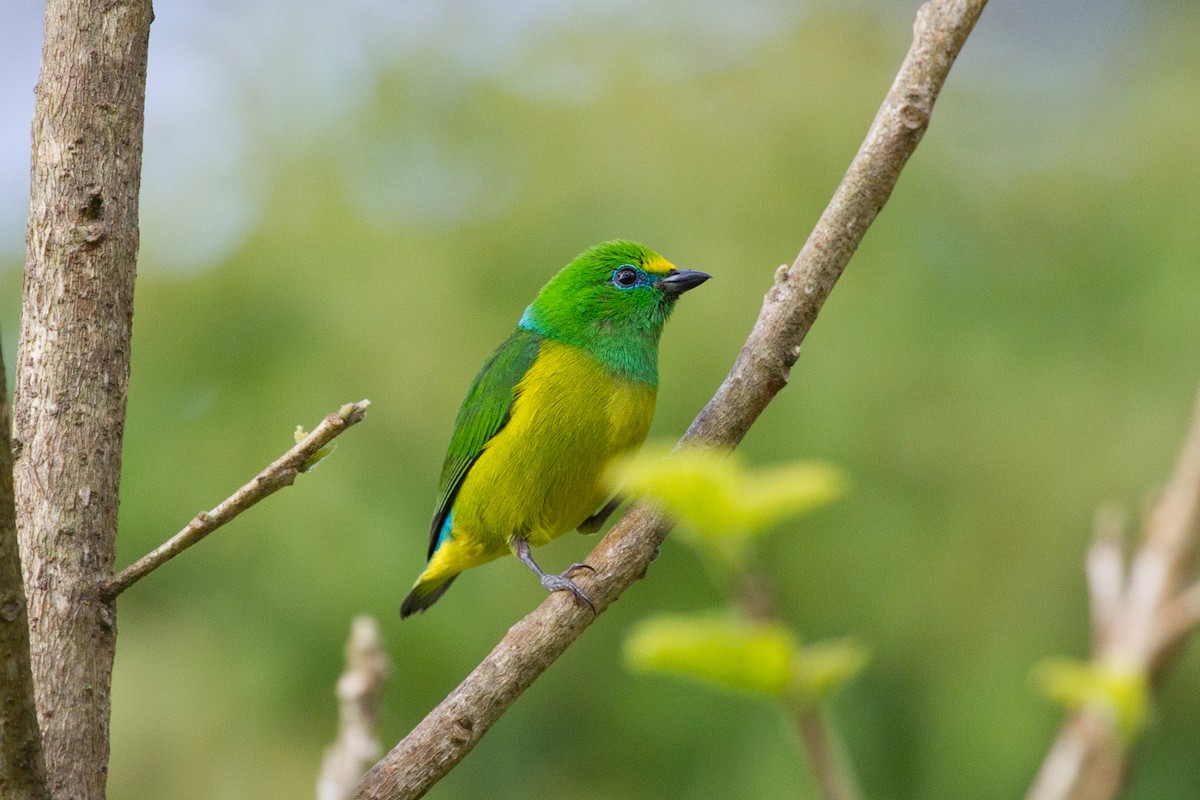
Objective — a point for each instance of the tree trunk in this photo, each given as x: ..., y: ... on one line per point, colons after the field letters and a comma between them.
x: 22, y: 771
x: 73, y: 367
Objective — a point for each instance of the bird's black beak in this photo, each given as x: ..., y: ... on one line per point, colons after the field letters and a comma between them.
x: 679, y: 281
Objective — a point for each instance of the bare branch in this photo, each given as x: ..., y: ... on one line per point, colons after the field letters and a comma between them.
x: 791, y: 306
x: 1105, y: 568
x: 454, y: 727
x: 1167, y: 557
x: 1188, y: 603
x: 279, y: 474
x: 1085, y: 762
x: 22, y: 770
x: 1090, y: 757
x: 1164, y: 564
x: 358, y: 690
x: 1178, y: 617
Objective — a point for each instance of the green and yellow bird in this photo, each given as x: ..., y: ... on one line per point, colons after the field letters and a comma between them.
x: 572, y: 388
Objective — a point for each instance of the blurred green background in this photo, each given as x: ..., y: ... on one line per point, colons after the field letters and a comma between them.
x: 359, y: 201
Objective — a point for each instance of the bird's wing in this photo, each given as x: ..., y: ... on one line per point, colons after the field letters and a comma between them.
x: 484, y: 412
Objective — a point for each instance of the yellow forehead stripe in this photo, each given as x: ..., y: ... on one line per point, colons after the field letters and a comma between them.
x: 658, y: 266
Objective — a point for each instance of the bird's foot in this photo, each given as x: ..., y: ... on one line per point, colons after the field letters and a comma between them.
x: 554, y: 583
x: 557, y: 583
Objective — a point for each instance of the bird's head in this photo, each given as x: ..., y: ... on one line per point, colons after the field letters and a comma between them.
x: 612, y: 290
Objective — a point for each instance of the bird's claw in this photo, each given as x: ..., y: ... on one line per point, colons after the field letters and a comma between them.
x: 555, y: 583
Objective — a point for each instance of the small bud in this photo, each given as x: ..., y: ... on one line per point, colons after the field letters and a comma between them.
x: 316, y: 458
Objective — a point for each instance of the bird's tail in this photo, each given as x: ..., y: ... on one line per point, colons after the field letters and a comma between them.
x: 424, y: 594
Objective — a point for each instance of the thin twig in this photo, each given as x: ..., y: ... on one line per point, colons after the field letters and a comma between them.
x: 358, y: 691
x: 834, y: 779
x: 1090, y: 757
x: 455, y: 726
x: 826, y: 755
x: 278, y: 475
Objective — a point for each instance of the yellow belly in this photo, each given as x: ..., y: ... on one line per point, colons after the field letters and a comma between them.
x: 540, y: 476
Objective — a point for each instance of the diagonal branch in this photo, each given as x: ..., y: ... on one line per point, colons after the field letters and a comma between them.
x: 22, y: 768
x: 276, y: 476
x: 454, y: 727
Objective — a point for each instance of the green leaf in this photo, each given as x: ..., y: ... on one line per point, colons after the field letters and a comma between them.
x: 1117, y: 690
x: 757, y: 657
x: 717, y: 497
x: 726, y: 651
x: 820, y: 669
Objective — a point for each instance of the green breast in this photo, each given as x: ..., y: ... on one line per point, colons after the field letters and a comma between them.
x: 629, y: 353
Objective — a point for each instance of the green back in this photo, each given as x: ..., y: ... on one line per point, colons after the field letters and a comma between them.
x: 483, y: 413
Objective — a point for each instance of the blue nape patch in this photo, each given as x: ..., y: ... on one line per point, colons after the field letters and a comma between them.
x: 527, y: 320
x: 444, y: 533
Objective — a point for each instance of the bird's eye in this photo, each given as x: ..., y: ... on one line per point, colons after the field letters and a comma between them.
x: 625, y: 277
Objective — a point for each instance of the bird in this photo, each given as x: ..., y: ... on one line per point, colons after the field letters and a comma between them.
x: 571, y: 389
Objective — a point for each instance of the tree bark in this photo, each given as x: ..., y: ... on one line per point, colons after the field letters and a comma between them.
x: 73, y: 367
x: 22, y: 770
